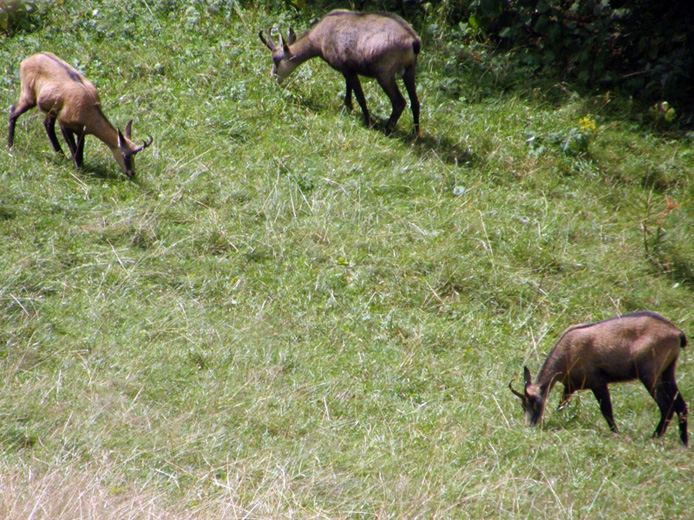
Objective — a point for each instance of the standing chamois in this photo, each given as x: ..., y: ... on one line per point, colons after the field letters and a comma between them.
x: 375, y: 45
x: 641, y: 345
x: 65, y: 94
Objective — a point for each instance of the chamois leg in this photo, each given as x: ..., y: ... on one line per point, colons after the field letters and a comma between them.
x: 602, y: 394
x: 682, y: 412
x: 565, y: 398
x: 69, y: 137
x: 408, y: 78
x: 669, y: 400
x: 15, y: 112
x: 49, y: 125
x: 79, y: 159
x: 353, y: 83
x: 348, y: 95
x: 396, y: 99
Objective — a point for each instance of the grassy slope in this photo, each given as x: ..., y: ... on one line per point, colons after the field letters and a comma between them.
x: 287, y: 314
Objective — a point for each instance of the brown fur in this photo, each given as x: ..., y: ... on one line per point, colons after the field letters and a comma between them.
x: 642, y: 345
x: 65, y: 95
x: 375, y: 45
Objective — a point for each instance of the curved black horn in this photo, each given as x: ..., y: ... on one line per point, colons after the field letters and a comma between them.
x: 145, y: 144
x: 269, y: 43
x: 515, y: 392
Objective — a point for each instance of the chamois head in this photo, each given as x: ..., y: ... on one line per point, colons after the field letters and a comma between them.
x: 125, y: 154
x: 282, y: 64
x: 531, y: 400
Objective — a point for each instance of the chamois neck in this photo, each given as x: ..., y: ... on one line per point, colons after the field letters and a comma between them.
x: 103, y: 130
x: 304, y: 49
x: 550, y: 374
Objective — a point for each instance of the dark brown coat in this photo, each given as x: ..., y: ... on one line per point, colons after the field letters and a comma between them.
x: 642, y: 345
x: 375, y: 45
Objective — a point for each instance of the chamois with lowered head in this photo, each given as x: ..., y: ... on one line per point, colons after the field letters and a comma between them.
x: 375, y: 45
x: 63, y: 93
x: 642, y: 345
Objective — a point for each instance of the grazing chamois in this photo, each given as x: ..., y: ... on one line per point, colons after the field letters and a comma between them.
x: 63, y: 93
x: 641, y: 345
x: 375, y: 45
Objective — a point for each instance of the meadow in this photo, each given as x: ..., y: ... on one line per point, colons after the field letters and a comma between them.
x: 288, y: 315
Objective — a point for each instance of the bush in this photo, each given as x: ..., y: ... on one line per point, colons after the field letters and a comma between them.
x: 643, y: 47
x: 18, y: 15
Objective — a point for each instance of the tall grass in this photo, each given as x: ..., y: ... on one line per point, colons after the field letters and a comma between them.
x: 287, y: 314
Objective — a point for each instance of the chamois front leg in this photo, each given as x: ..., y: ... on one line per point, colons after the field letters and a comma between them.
x: 348, y: 95
x: 69, y: 137
x: 565, y: 398
x: 49, y: 125
x: 79, y: 159
x: 353, y: 83
x: 602, y: 394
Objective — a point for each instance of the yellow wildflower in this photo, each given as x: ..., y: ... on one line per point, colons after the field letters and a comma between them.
x: 587, y: 123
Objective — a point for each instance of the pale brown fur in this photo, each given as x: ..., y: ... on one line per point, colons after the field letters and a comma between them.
x: 375, y: 45
x: 65, y: 95
x: 642, y: 345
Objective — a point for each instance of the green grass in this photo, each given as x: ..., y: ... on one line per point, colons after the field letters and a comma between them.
x: 287, y: 314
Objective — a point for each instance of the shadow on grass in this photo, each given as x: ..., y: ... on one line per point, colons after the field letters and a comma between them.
x: 445, y: 148
x: 102, y: 172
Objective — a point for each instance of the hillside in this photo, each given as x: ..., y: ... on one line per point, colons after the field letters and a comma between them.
x: 288, y: 315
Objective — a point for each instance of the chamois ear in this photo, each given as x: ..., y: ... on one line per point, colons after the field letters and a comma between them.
x: 292, y: 36
x: 285, y: 47
x: 526, y: 377
x: 121, y: 141
x: 127, y: 128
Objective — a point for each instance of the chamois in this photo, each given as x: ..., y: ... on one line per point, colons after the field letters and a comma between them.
x: 63, y: 93
x: 641, y: 345
x: 375, y: 45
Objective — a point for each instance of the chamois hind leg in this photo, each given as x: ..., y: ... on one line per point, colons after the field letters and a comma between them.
x: 669, y: 400
x: 396, y: 99
x: 408, y: 78
x: 16, y: 111
x: 354, y: 84
x: 49, y: 125
x: 602, y: 394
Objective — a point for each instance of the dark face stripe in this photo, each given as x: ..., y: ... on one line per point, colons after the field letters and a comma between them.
x: 128, y: 162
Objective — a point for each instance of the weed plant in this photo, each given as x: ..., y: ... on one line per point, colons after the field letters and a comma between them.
x: 288, y: 315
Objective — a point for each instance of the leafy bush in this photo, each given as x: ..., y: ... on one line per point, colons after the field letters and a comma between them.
x: 643, y: 47
x: 18, y: 15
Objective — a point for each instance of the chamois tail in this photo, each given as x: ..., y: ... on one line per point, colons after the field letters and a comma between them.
x: 683, y: 340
